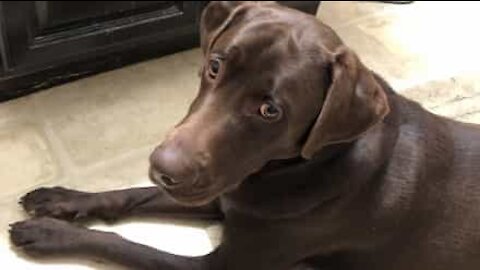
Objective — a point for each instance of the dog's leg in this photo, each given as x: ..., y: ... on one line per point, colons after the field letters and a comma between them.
x: 48, y: 237
x: 73, y: 205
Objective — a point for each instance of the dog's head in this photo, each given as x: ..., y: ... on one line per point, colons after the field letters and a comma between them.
x: 276, y: 84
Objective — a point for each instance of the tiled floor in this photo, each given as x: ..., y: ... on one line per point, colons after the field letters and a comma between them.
x: 95, y: 134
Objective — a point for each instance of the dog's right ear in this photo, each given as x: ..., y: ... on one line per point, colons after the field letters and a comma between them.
x: 355, y: 102
x: 213, y: 17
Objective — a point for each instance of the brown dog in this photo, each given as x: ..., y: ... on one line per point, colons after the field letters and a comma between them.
x: 308, y: 157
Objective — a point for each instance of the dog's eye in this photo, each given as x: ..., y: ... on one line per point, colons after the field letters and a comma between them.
x: 213, y: 68
x: 270, y: 111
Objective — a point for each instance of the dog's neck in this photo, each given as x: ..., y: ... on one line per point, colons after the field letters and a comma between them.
x: 294, y: 187
x: 325, y: 155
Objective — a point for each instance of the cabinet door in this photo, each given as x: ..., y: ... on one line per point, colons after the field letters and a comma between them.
x: 43, y: 43
x: 39, y: 33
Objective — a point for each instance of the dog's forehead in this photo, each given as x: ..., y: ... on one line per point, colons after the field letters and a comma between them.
x: 284, y: 48
x: 262, y: 34
x: 270, y: 34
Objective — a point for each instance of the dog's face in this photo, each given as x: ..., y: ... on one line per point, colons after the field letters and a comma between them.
x: 266, y: 75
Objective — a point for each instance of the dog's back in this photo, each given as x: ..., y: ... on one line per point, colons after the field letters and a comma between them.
x: 433, y: 186
x: 460, y: 225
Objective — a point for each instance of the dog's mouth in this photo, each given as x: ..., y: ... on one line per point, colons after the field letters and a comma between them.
x: 198, y: 195
x: 194, y: 198
x: 192, y: 195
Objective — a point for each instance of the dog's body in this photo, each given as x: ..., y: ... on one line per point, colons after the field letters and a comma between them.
x: 397, y: 189
x: 409, y: 200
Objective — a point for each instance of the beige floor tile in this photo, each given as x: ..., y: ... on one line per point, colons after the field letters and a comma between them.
x: 107, y: 115
x: 16, y: 109
x: 192, y: 238
x: 415, y: 43
x: 342, y: 13
x: 117, y: 174
x: 26, y: 159
x: 429, y: 46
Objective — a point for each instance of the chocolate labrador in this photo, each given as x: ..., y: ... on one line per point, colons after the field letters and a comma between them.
x: 309, y: 158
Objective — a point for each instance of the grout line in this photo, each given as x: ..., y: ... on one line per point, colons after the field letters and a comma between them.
x: 69, y: 168
x: 453, y: 101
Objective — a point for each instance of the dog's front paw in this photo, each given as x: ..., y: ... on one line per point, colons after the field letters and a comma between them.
x: 46, y: 236
x: 56, y: 202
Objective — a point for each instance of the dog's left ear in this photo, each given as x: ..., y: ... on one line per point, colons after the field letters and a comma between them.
x: 354, y: 103
x: 213, y: 17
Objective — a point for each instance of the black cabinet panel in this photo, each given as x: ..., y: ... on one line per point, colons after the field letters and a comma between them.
x: 44, y: 43
x: 40, y: 34
x: 55, y: 15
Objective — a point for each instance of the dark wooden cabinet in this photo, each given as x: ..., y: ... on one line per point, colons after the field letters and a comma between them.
x: 44, y: 43
x: 43, y: 32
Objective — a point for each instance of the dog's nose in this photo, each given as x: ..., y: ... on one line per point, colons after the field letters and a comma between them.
x: 171, y: 167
